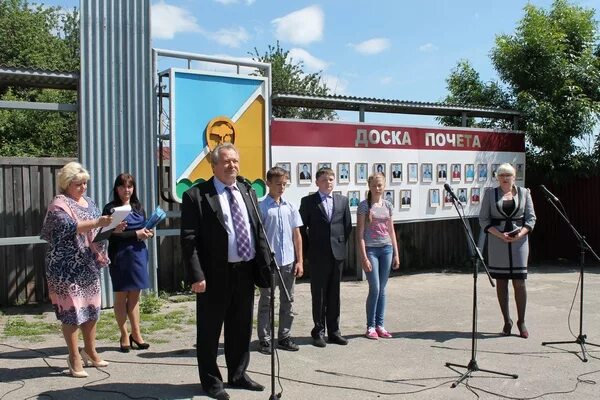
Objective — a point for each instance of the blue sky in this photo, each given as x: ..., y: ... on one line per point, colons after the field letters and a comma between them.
x: 392, y: 49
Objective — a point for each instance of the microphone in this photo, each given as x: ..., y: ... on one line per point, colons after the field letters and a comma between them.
x: 244, y: 181
x: 450, y: 192
x: 549, y: 193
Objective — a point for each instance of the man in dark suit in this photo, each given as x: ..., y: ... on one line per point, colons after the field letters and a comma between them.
x: 222, y: 244
x: 327, y: 226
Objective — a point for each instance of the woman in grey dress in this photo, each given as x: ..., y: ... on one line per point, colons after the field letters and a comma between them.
x: 507, y: 216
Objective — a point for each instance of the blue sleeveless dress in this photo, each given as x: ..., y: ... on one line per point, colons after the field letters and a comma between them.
x: 129, y: 258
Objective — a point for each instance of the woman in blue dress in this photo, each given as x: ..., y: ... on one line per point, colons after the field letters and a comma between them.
x: 129, y: 262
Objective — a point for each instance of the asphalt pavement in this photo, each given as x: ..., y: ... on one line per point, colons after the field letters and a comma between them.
x: 429, y: 315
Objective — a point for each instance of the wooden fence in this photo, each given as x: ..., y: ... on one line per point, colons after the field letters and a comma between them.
x: 27, y: 186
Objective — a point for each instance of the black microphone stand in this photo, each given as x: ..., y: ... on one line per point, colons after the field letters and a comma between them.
x: 475, y: 258
x: 274, y: 270
x: 583, y: 246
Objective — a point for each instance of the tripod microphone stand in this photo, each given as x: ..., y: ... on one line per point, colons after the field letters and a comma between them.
x: 275, y: 271
x: 475, y: 258
x: 583, y: 246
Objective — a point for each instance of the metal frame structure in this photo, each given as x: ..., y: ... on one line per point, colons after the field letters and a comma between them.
x: 367, y: 104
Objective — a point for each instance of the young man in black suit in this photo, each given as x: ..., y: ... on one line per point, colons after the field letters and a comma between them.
x: 327, y: 226
x: 221, y: 244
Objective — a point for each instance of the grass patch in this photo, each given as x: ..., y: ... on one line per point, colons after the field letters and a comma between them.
x: 157, y: 322
x: 150, y: 304
x: 182, y: 298
x: 18, y: 326
x: 106, y: 327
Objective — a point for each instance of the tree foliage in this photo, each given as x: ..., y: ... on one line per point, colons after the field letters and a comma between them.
x: 37, y: 37
x: 287, y: 76
x: 465, y: 87
x: 550, y: 71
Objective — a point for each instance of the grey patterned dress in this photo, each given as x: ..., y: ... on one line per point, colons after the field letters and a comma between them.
x: 507, y: 260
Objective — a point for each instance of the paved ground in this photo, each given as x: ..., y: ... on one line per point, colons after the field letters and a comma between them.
x: 430, y: 316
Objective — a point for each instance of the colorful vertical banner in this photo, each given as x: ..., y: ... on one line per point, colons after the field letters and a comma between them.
x: 207, y: 109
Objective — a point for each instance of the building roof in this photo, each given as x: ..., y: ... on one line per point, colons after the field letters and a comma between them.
x: 368, y: 104
x: 27, y: 77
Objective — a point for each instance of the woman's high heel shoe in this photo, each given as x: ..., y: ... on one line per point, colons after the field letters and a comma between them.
x: 124, y: 349
x: 522, y: 330
x: 76, y: 374
x: 87, y: 360
x: 138, y: 345
x: 507, y: 328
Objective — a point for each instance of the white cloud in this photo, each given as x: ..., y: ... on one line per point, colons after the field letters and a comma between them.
x: 229, y: 37
x: 300, y: 27
x: 372, y: 46
x: 168, y: 20
x: 336, y: 84
x: 312, y: 63
x: 386, y: 80
x: 428, y: 48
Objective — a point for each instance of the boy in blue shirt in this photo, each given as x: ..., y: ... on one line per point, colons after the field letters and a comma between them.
x: 282, y: 223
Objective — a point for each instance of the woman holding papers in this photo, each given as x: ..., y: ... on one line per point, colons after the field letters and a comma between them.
x: 73, y: 265
x: 129, y: 262
x: 507, y: 216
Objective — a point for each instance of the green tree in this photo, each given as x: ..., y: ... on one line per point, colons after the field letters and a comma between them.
x: 288, y: 77
x: 466, y: 88
x: 550, y: 68
x: 45, y: 38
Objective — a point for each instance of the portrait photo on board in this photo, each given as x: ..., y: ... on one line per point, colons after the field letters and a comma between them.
x: 353, y: 198
x: 323, y: 165
x: 495, y: 171
x: 434, y: 197
x: 361, y: 173
x: 396, y: 175
x: 287, y: 167
x: 405, y: 198
x: 442, y: 172
x: 379, y: 168
x: 413, y: 173
x: 475, y: 195
x: 482, y: 172
x: 519, y: 172
x: 462, y: 195
x: 389, y: 196
x: 343, y: 172
x: 304, y: 173
x: 469, y: 173
x: 455, y: 172
x: 426, y: 172
x: 447, y: 199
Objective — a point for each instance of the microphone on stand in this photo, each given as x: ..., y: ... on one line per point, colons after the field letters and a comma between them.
x: 244, y: 181
x: 549, y: 193
x: 450, y: 192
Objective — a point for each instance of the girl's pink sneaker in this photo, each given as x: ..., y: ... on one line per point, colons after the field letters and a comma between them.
x: 371, y: 334
x: 382, y: 333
